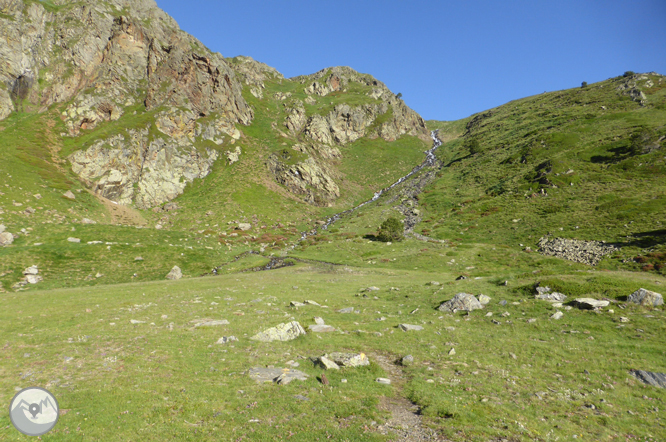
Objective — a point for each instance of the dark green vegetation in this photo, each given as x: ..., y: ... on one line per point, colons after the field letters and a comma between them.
x: 585, y: 163
x: 391, y: 230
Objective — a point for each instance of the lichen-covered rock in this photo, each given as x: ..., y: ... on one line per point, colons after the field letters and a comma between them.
x: 281, y: 332
x: 461, y: 301
x: 175, y: 273
x: 349, y: 359
x: 646, y: 298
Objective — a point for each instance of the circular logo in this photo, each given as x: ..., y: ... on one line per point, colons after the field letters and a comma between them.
x: 34, y: 411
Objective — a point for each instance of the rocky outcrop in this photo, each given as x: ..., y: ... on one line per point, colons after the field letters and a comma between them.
x: 310, y: 179
x: 461, y: 301
x: 585, y: 252
x: 106, y: 58
x: 134, y: 168
x: 254, y: 73
x: 646, y: 298
x: 385, y: 115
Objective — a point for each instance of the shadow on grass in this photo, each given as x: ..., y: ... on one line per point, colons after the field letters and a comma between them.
x: 644, y: 239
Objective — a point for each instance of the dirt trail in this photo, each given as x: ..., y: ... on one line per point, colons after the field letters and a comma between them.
x: 405, y: 421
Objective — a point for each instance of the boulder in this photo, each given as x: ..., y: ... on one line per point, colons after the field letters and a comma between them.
x: 590, y: 303
x: 349, y: 359
x: 284, y: 375
x: 6, y: 239
x: 69, y: 195
x: 74, y: 240
x: 317, y: 328
x: 646, y: 298
x: 461, y: 301
x: 33, y: 270
x: 282, y: 332
x: 327, y: 364
x: 175, y: 273
x: 226, y: 340
x: 557, y: 315
x: 655, y: 379
x: 484, y: 300
x: 409, y: 327
x: 244, y: 226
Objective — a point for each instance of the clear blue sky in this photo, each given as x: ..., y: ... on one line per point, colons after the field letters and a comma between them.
x: 449, y: 59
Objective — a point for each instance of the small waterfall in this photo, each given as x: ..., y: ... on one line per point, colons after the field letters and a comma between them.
x: 429, y: 161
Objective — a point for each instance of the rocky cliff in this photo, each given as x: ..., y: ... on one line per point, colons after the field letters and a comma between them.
x: 101, y: 60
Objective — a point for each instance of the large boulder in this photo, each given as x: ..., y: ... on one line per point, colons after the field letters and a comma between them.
x: 282, y: 332
x: 590, y: 303
x: 462, y: 301
x: 646, y: 298
x: 175, y: 273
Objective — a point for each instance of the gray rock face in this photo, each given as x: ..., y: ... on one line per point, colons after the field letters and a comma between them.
x: 646, y: 298
x: 175, y: 273
x: 103, y: 57
x: 349, y: 359
x: 282, y: 332
x: 461, y: 301
x: 260, y: 374
x: 590, y: 303
x: 585, y: 252
x: 655, y: 379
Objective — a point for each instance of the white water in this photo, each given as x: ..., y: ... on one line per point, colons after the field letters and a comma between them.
x: 429, y: 161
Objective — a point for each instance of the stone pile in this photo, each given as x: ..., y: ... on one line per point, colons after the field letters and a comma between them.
x: 585, y: 252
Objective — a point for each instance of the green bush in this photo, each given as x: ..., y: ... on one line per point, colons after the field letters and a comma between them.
x: 628, y: 73
x: 391, y: 230
x: 472, y: 144
x: 583, y: 84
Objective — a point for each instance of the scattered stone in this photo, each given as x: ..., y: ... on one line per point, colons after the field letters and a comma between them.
x: 274, y: 374
x: 300, y: 397
x: 452, y: 352
x: 384, y: 381
x: 69, y: 195
x: 557, y: 315
x: 349, y: 359
x: 321, y: 328
x: 327, y: 364
x: 646, y: 298
x: 344, y: 381
x: 502, y: 302
x: 624, y: 319
x: 545, y: 294
x: 372, y: 289
x: 407, y: 360
x: 244, y: 226
x: 346, y: 310
x: 319, y: 321
x: 282, y: 332
x: 513, y: 356
x: 296, y: 304
x: 88, y: 221
x: 489, y: 314
x: 409, y: 327
x: 76, y: 240
x: 433, y: 283
x: 590, y: 303
x: 585, y: 252
x: 175, y: 274
x: 226, y: 339
x: 310, y: 302
x: 138, y: 258
x: 6, y: 238
x: 531, y: 321
x: 210, y: 322
x: 134, y: 321
x: 461, y: 278
x: 461, y: 301
x: 292, y: 364
x: 484, y: 300
x: 655, y: 379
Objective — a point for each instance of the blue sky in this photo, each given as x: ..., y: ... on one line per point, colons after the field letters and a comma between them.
x: 449, y: 59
